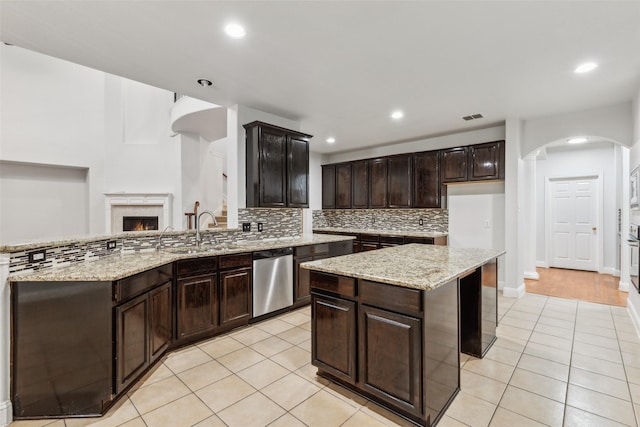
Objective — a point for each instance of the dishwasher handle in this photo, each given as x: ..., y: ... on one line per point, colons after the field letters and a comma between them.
x: 272, y: 253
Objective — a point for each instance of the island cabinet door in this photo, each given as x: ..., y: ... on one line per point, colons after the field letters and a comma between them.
x: 390, y: 355
x: 333, y: 336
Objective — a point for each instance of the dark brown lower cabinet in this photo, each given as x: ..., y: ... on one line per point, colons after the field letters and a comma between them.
x: 301, y: 286
x: 407, y: 352
x: 160, y: 320
x: 197, y: 309
x: 132, y: 340
x: 390, y: 357
x: 479, y: 309
x: 235, y: 297
x: 333, y: 341
x: 143, y: 332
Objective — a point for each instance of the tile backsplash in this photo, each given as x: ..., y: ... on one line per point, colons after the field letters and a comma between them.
x: 277, y: 223
x: 433, y: 220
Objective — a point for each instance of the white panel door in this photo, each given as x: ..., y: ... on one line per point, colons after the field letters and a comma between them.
x: 574, y: 220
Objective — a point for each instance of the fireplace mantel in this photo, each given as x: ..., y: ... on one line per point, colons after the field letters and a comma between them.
x: 142, y: 200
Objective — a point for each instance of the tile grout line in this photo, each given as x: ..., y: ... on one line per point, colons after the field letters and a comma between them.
x: 624, y: 367
x: 516, y: 365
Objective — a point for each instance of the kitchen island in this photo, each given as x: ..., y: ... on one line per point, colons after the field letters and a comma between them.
x: 389, y: 324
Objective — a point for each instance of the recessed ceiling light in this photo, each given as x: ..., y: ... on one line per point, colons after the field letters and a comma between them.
x: 205, y: 82
x: 235, y: 31
x: 585, y: 68
x: 579, y: 140
x: 397, y: 115
x: 331, y: 140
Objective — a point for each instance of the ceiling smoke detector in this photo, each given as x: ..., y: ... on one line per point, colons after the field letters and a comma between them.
x: 472, y: 117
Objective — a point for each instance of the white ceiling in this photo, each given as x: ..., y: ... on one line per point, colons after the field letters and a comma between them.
x: 341, y: 67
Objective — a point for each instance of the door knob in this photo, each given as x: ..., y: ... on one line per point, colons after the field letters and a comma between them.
x: 594, y: 228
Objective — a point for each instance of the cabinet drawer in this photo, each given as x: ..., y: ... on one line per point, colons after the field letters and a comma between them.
x: 311, y: 250
x: 190, y: 267
x: 345, y: 286
x: 141, y: 282
x: 423, y: 240
x: 394, y: 240
x: 396, y: 298
x: 369, y: 238
x: 235, y: 261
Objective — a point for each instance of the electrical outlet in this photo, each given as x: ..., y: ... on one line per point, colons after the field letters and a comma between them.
x: 260, y: 226
x: 420, y: 221
x: 246, y: 226
x: 111, y: 244
x: 37, y: 256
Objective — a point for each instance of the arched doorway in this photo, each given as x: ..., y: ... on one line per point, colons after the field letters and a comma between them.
x: 574, y: 208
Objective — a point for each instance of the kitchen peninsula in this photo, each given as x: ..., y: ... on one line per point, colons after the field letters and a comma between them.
x: 84, y: 333
x: 389, y: 324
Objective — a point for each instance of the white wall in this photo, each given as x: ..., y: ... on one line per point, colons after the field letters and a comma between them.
x: 586, y: 160
x: 494, y: 133
x: 633, y: 301
x: 53, y: 113
x: 612, y: 122
x: 476, y: 217
x: 52, y: 201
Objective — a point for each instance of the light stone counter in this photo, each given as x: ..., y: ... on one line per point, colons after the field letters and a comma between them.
x: 118, y: 266
x: 432, y: 234
x: 417, y: 266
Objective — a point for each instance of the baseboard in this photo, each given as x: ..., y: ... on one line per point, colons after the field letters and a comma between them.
x: 542, y: 264
x: 500, y: 284
x: 609, y: 270
x: 533, y: 275
x: 633, y: 313
x: 514, y: 292
x: 6, y: 413
x: 623, y: 286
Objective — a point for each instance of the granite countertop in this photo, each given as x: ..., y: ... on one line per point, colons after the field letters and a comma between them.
x: 118, y: 266
x: 417, y: 266
x: 382, y: 232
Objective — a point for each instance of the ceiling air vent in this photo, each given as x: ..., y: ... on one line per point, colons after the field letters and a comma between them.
x: 472, y: 117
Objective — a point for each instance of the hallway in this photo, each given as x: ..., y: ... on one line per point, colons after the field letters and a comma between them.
x: 580, y: 285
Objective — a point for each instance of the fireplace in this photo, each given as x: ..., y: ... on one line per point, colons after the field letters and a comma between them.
x: 139, y: 205
x: 139, y: 223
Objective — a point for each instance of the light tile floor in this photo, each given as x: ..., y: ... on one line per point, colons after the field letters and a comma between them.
x: 556, y: 362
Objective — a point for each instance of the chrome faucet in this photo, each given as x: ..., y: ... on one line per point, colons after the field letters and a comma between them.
x: 198, y: 236
x: 159, y: 244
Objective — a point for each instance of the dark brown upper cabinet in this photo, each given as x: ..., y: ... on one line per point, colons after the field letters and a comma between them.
x: 453, y: 165
x: 297, y: 172
x: 378, y: 183
x: 426, y: 179
x: 277, y: 166
x: 399, y: 181
x: 328, y: 187
x: 343, y: 186
x: 359, y: 184
x: 486, y: 161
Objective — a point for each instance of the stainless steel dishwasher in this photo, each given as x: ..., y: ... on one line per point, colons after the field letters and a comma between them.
x: 272, y: 280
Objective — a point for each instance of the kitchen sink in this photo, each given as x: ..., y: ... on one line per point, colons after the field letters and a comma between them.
x: 202, y: 249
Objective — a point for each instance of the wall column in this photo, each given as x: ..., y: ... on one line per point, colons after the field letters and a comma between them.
x: 530, y: 219
x: 514, y: 221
